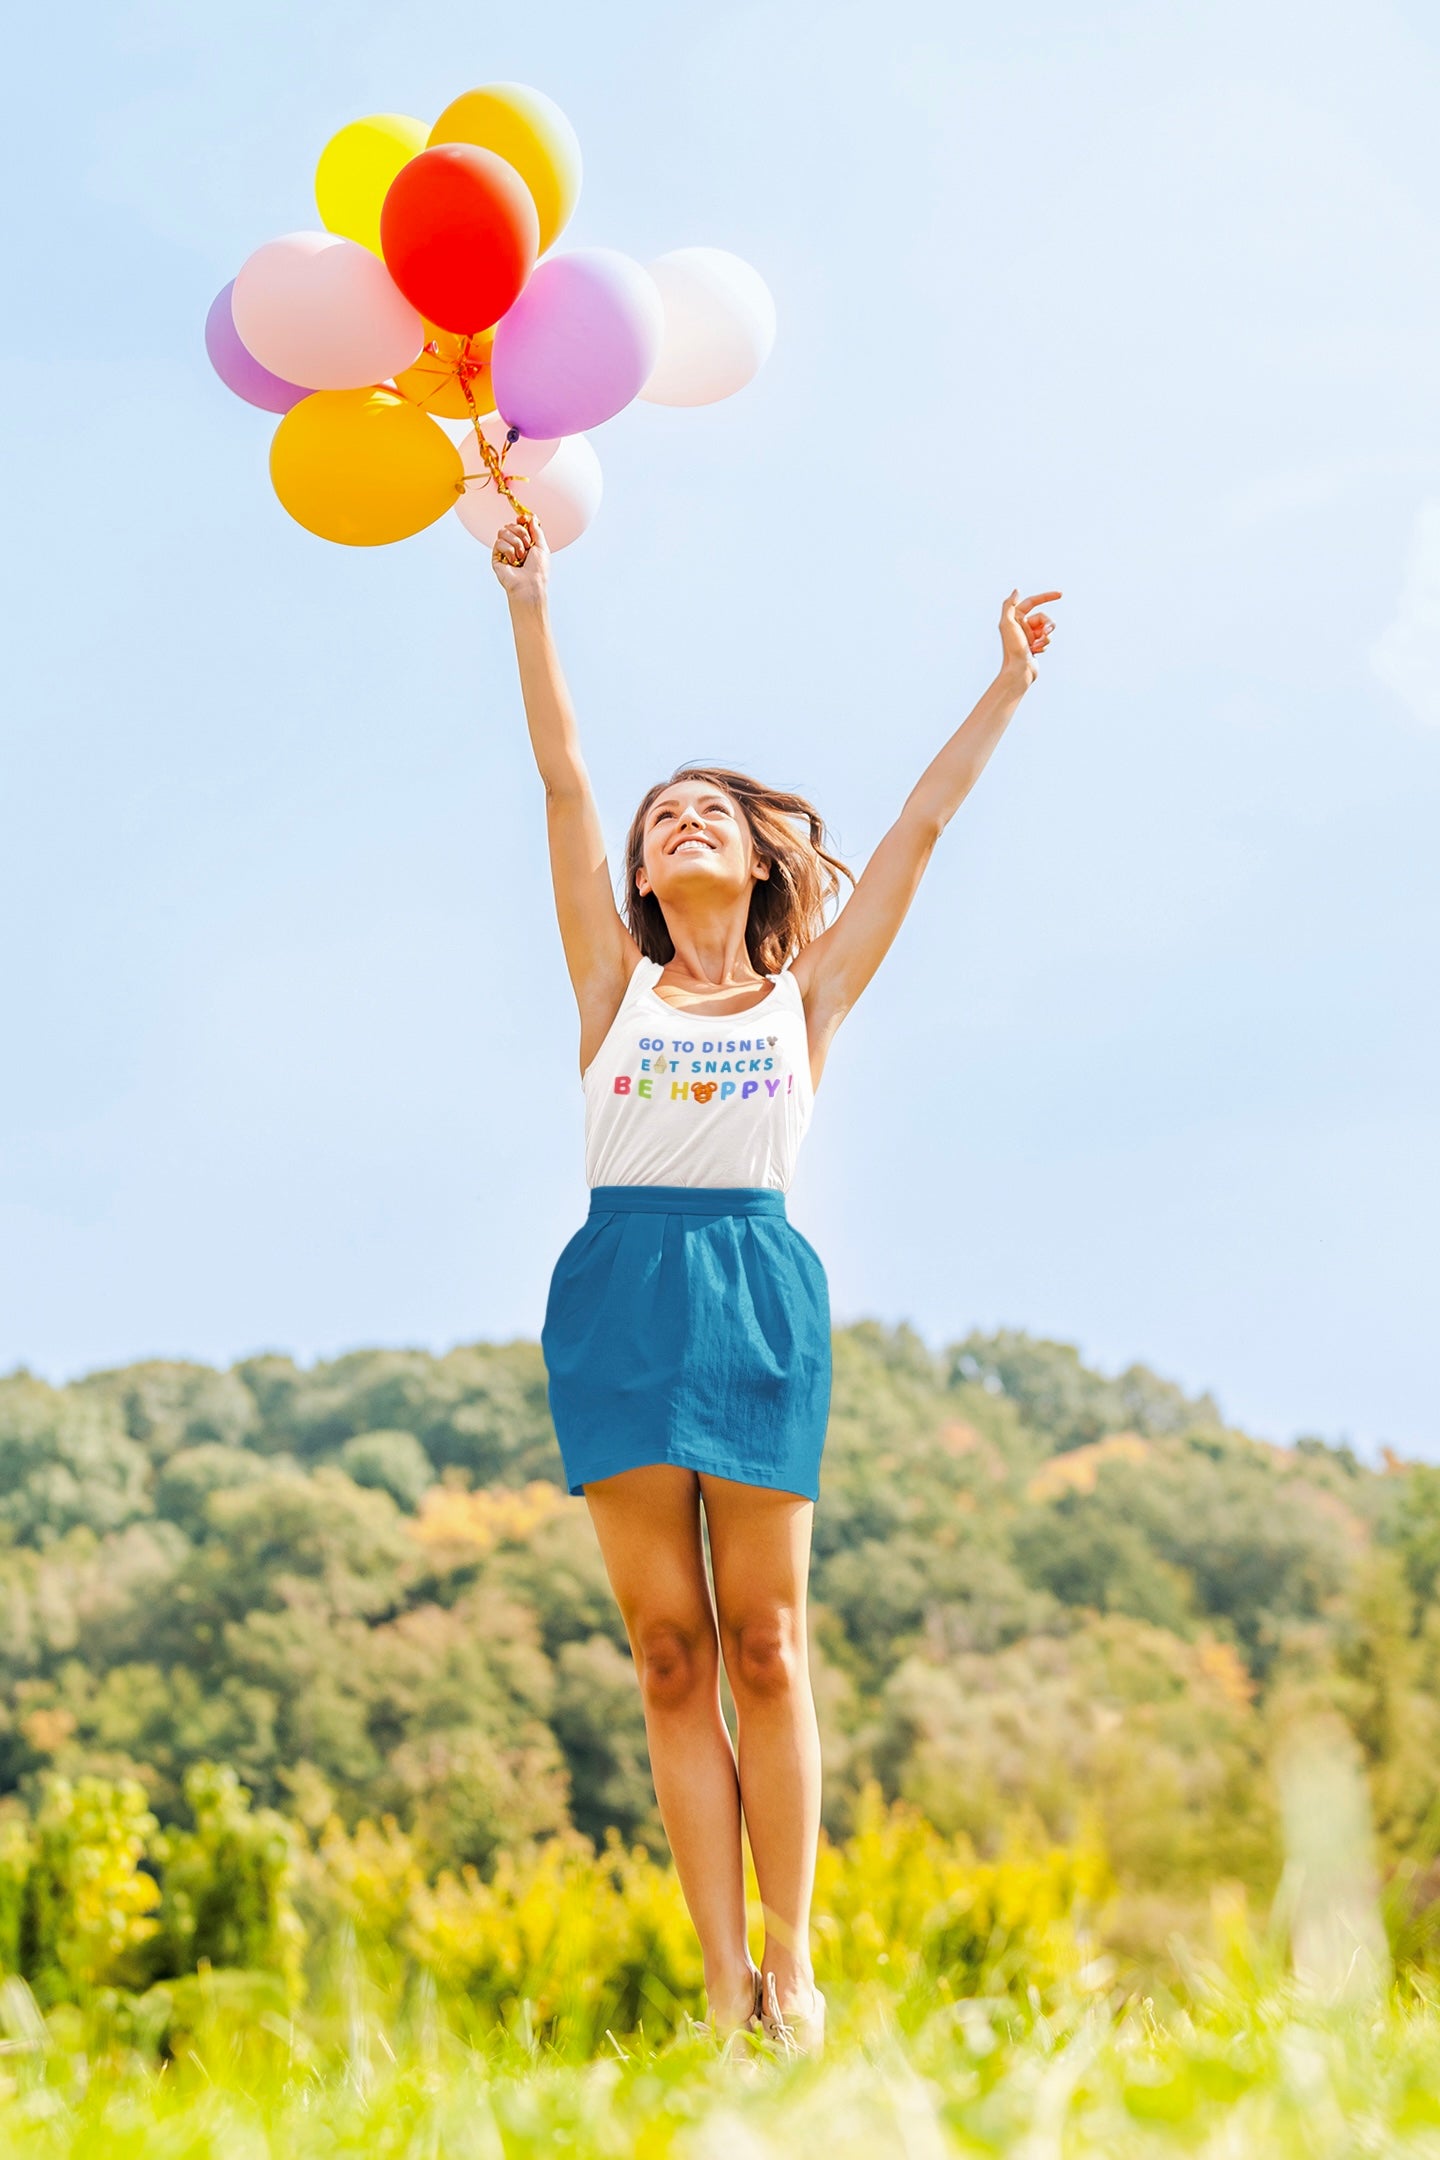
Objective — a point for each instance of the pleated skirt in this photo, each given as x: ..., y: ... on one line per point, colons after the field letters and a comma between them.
x: 689, y: 1325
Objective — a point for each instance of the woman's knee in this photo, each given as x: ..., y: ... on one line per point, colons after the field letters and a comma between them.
x: 765, y: 1652
x: 675, y: 1661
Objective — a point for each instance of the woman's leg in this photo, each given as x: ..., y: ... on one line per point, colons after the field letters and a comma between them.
x: 648, y: 1524
x: 760, y: 1552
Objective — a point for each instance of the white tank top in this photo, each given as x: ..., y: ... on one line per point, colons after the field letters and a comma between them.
x: 675, y: 1098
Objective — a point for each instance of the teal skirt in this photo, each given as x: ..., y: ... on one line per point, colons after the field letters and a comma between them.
x: 689, y: 1325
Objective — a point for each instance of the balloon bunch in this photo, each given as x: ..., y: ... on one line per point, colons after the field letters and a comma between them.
x: 425, y: 299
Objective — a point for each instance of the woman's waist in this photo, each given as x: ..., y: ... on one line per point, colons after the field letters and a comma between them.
x: 687, y: 1200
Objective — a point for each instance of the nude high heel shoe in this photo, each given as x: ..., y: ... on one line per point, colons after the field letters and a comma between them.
x: 792, y: 2034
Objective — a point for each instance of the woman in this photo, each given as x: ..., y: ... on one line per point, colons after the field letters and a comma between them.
x: 686, y: 1335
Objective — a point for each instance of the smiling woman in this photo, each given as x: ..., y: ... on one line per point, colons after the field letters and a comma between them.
x: 687, y: 1331
x: 702, y: 821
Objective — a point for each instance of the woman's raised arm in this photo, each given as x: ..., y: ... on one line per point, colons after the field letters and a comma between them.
x: 599, y: 951
x: 834, y: 968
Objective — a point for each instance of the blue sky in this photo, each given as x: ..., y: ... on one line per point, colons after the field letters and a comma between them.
x: 1142, y: 302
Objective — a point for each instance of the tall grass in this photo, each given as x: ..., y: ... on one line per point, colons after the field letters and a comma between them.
x: 1237, y: 2068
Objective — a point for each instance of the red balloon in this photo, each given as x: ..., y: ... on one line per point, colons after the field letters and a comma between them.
x: 459, y: 233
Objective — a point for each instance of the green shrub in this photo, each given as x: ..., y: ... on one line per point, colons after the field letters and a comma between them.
x: 87, y: 1902
x: 15, y: 1854
x: 226, y: 1887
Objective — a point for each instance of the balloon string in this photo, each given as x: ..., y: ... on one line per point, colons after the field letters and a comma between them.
x: 496, y: 469
x: 492, y: 459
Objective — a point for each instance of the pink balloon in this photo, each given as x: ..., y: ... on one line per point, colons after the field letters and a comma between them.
x: 564, y: 498
x: 320, y: 310
x: 238, y: 369
x: 577, y: 344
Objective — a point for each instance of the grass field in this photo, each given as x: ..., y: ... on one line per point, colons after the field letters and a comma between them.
x: 1245, y: 2070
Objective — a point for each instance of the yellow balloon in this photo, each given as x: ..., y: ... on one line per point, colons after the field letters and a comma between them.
x: 530, y: 132
x: 355, y: 171
x: 363, y: 467
x: 434, y: 382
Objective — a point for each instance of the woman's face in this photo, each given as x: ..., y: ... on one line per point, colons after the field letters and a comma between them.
x: 696, y: 841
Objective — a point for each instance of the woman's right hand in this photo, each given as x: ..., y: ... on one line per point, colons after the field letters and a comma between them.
x: 520, y: 558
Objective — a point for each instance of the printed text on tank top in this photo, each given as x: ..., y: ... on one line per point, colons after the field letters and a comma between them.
x: 684, y: 1097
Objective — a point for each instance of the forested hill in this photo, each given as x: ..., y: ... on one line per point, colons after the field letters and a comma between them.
x: 1039, y: 1594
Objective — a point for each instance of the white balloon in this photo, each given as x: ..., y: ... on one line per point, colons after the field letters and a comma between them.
x: 564, y: 496
x: 324, y: 312
x: 719, y: 326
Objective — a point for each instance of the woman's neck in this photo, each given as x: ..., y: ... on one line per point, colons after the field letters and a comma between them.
x: 712, y: 956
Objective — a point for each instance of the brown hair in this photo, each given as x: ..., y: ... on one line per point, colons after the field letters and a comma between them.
x: 787, y: 909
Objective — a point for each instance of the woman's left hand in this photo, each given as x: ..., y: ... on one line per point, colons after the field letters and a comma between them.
x: 1024, y: 632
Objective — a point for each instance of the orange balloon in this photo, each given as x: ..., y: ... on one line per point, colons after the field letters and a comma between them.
x: 436, y: 382
x: 363, y: 467
x: 530, y: 132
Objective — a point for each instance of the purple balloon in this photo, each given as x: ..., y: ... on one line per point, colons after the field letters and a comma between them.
x: 578, y: 344
x: 237, y: 368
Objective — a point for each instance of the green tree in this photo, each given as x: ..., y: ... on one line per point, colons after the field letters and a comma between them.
x: 1262, y: 1547
x: 1063, y: 1398
x: 482, y: 1408
x: 1083, y: 1556
x: 166, y: 1406
x: 185, y: 1484
x: 392, y: 1462
x: 65, y: 1459
x: 599, y: 1721
x: 1410, y: 1524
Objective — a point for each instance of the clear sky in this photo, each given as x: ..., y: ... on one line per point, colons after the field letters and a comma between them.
x: 1139, y: 301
